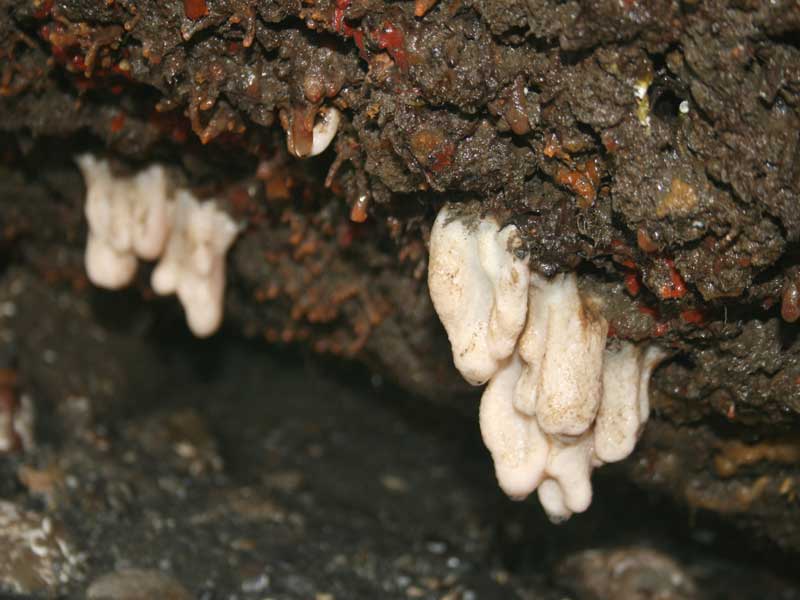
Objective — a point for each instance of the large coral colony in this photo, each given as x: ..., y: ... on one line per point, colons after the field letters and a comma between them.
x: 559, y: 402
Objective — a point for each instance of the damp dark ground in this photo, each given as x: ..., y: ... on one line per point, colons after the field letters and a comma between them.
x: 220, y: 469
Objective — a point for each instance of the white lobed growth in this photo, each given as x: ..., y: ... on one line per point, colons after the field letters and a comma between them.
x: 152, y: 212
x: 518, y: 446
x: 110, y: 258
x: 143, y: 217
x: 129, y: 217
x: 479, y: 290
x: 626, y: 405
x: 562, y: 346
x: 193, y: 264
x: 558, y: 403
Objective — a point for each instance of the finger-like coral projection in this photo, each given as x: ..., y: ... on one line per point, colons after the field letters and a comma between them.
x: 625, y: 406
x: 562, y: 346
x: 193, y: 264
x: 558, y: 403
x: 518, y: 446
x: 152, y: 212
x: 479, y: 287
x: 110, y: 259
x: 142, y: 216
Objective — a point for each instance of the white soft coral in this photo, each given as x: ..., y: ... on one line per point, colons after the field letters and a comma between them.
x: 626, y: 404
x: 479, y: 290
x: 558, y: 402
x: 519, y: 448
x: 551, y: 405
x: 193, y: 264
x: 152, y: 212
x: 143, y: 216
x: 110, y: 258
x: 562, y: 346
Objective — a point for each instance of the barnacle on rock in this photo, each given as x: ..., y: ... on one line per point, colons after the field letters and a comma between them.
x: 309, y: 131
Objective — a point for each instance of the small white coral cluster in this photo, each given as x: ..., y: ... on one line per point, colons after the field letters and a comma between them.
x: 142, y: 216
x: 558, y: 403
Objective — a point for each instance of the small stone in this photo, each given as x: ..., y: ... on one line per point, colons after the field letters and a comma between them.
x: 626, y: 573
x: 396, y: 484
x: 284, y: 481
x: 437, y: 547
x: 243, y: 544
x: 35, y: 555
x: 256, y: 585
x: 500, y: 576
x: 137, y: 584
x: 183, y: 436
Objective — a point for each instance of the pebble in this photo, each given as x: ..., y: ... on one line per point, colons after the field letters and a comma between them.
x: 137, y: 584
x: 35, y: 555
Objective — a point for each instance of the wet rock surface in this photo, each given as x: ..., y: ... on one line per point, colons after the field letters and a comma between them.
x: 222, y: 470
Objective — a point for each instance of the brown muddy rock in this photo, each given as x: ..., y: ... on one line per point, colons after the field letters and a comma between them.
x: 745, y: 130
x: 754, y: 364
x: 630, y: 573
x: 752, y: 484
x: 552, y: 230
x: 509, y: 19
x: 603, y: 21
x: 599, y: 90
x: 663, y: 184
x: 136, y: 584
x: 541, y: 20
x: 726, y: 268
x: 35, y: 555
x: 453, y: 65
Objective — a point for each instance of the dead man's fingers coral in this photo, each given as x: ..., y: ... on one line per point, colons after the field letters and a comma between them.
x: 144, y: 216
x: 562, y: 344
x: 479, y: 291
x: 519, y: 448
x: 558, y: 402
